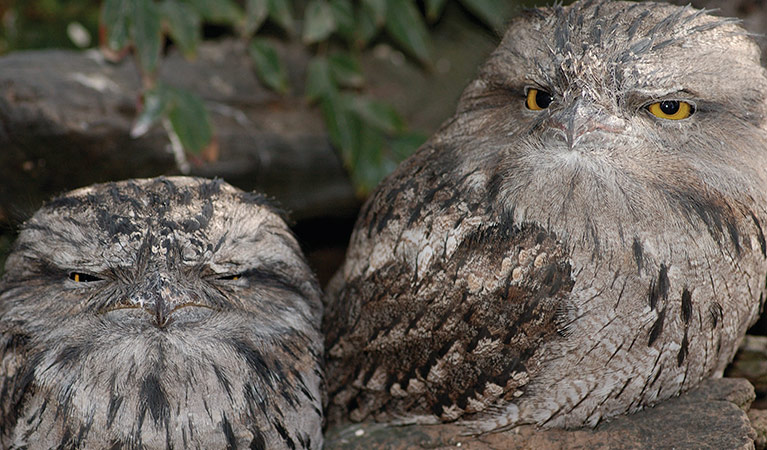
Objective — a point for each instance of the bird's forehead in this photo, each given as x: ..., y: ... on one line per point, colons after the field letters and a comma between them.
x: 186, y: 222
x: 617, y: 43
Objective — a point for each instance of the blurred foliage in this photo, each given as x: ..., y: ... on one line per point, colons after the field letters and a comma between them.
x: 31, y: 24
x: 369, y: 134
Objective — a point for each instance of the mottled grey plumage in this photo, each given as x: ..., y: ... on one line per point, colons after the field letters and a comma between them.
x: 563, y: 265
x: 159, y: 313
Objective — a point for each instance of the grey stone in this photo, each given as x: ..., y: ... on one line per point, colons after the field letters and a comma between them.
x: 65, y: 119
x: 712, y: 416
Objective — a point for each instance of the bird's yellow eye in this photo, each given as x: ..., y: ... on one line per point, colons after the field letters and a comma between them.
x: 79, y: 277
x: 538, y: 99
x: 671, y: 109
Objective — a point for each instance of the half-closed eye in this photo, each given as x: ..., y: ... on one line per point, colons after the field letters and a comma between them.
x: 82, y: 277
x: 231, y: 277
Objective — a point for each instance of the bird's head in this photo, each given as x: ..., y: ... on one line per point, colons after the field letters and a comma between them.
x: 600, y: 115
x: 151, y: 258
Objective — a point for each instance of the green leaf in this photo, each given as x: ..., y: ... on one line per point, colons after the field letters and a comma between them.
x: 343, y: 13
x: 183, y: 25
x: 190, y: 120
x: 156, y: 103
x: 366, y: 26
x: 378, y: 114
x: 491, y: 12
x: 186, y: 112
x: 268, y: 65
x: 405, y: 25
x: 256, y: 12
x: 319, y: 83
x: 319, y: 22
x: 346, y: 70
x: 218, y: 11
x: 147, y: 34
x: 115, y: 16
x: 378, y: 10
x: 280, y: 11
x: 434, y: 9
x: 342, y: 124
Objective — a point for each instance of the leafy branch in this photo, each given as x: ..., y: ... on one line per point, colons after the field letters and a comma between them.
x: 369, y: 134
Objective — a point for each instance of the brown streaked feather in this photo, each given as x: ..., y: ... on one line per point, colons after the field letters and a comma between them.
x: 457, y: 340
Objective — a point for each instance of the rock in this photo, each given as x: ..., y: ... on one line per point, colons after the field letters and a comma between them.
x: 712, y: 416
x: 758, y: 419
x: 68, y: 125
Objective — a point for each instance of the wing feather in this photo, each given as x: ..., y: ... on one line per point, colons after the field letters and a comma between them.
x: 439, y: 316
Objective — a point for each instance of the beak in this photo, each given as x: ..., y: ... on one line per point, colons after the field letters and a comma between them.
x: 581, y: 118
x: 159, y: 296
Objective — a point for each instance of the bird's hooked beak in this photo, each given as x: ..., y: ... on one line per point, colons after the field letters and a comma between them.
x: 582, y: 118
x: 160, y: 296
